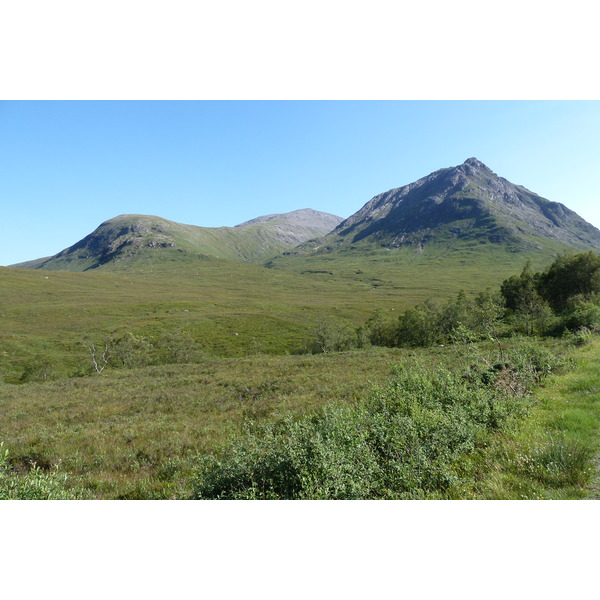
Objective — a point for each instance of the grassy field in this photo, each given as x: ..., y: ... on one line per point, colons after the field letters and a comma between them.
x: 553, y: 454
x: 225, y: 308
x: 228, y: 309
x: 140, y: 433
x: 136, y: 433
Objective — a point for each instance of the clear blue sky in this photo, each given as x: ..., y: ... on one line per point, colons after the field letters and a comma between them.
x: 67, y: 166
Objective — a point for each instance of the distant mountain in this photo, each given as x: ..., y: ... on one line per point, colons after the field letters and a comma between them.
x: 306, y: 219
x: 467, y: 203
x: 142, y: 239
x: 457, y: 212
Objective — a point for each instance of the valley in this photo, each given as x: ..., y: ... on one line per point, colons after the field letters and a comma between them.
x: 130, y: 357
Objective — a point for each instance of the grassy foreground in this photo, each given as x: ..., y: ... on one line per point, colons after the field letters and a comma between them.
x: 144, y: 433
x: 137, y: 433
x: 553, y: 454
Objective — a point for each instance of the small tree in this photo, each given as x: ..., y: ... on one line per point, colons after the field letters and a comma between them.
x: 99, y: 358
x: 331, y: 336
x: 457, y: 311
x: 420, y: 325
x: 570, y: 275
x: 522, y: 297
x: 380, y: 329
x: 488, y: 309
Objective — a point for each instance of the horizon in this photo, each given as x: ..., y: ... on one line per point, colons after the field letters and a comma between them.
x: 76, y: 164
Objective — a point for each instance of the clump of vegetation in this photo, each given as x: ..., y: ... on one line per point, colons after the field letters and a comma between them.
x: 405, y: 441
x: 34, y: 484
x: 566, y: 296
x: 556, y: 462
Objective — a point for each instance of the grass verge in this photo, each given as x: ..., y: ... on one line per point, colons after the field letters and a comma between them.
x: 553, y: 452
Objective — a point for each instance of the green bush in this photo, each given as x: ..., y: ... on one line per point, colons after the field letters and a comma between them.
x: 582, y: 313
x: 405, y: 441
x: 35, y: 484
x: 582, y: 336
x: 38, y: 369
x: 420, y: 325
x: 568, y: 276
x: 332, y: 336
x: 531, y: 362
x: 380, y: 329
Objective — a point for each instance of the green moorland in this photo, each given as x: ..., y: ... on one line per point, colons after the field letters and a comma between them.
x: 145, y: 433
x: 210, y: 388
x: 211, y: 306
x: 136, y: 433
x: 222, y: 308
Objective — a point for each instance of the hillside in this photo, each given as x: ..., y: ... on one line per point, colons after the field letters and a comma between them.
x: 467, y: 202
x: 129, y: 240
x: 459, y: 224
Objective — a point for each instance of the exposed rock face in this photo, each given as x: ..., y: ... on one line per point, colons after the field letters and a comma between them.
x: 468, y: 201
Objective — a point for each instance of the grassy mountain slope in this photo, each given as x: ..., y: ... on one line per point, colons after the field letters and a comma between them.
x: 129, y: 240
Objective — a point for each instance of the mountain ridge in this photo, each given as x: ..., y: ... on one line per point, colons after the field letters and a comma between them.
x: 129, y: 238
x: 454, y: 209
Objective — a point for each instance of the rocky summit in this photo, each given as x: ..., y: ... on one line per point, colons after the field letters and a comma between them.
x: 468, y: 202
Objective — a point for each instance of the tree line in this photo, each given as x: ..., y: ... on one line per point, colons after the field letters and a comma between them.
x: 563, y: 297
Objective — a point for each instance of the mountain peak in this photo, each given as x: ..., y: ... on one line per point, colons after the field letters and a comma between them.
x: 474, y: 162
x: 305, y: 217
x: 467, y: 202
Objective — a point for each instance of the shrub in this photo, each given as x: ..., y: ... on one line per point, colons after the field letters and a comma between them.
x: 582, y: 313
x: 403, y: 442
x: 420, y: 325
x: 582, y: 336
x: 36, y: 484
x: 177, y: 348
x: 332, y: 336
x: 130, y: 350
x: 38, y: 369
x: 380, y: 330
x: 570, y: 275
x: 531, y: 362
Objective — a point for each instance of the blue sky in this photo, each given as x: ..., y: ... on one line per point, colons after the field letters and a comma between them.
x: 66, y: 166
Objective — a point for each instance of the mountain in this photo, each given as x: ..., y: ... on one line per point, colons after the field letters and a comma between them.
x: 142, y: 239
x: 465, y: 214
x: 468, y: 203
x: 301, y: 220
